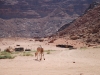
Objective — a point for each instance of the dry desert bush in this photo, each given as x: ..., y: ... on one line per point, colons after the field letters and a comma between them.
x: 6, y: 55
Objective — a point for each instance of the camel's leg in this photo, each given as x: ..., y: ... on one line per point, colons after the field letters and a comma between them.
x: 37, y: 56
x: 43, y: 56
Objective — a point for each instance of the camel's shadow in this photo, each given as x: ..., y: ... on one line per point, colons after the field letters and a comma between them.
x: 37, y: 60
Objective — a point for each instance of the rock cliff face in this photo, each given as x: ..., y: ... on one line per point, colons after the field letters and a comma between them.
x: 86, y: 27
x: 38, y: 18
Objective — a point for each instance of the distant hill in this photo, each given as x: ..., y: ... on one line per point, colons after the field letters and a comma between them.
x: 86, y: 27
x: 38, y: 18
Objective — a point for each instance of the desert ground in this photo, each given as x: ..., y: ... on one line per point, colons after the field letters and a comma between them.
x: 60, y: 61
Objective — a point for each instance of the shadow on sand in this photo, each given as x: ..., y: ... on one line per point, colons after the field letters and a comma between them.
x: 37, y: 60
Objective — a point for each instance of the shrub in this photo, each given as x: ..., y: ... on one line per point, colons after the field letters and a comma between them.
x: 48, y: 52
x: 6, y: 55
x: 83, y: 48
x: 27, y: 54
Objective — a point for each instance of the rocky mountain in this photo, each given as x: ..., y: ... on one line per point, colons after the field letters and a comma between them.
x: 86, y: 27
x: 38, y: 18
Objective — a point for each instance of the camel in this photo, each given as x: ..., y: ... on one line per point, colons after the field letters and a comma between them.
x: 9, y: 49
x: 39, y: 52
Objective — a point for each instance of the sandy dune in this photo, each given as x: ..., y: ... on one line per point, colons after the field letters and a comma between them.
x: 59, y: 62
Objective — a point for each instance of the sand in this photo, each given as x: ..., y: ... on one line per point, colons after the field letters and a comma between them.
x: 62, y: 61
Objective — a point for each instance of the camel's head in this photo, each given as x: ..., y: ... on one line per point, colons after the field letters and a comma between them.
x: 35, y: 54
